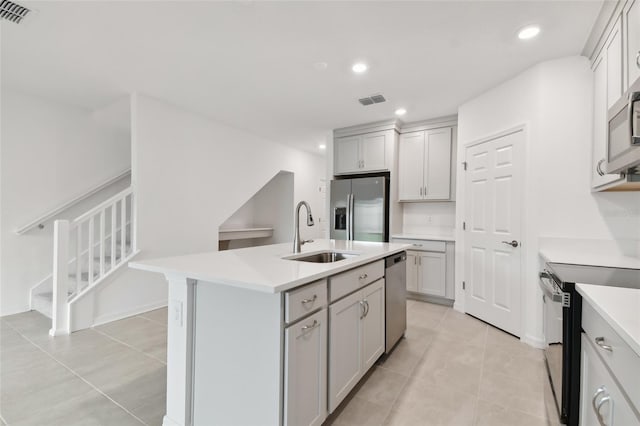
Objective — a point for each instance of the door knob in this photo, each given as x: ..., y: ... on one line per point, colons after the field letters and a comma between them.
x: 513, y: 243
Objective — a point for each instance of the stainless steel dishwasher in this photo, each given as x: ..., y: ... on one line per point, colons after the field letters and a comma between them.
x: 395, y: 299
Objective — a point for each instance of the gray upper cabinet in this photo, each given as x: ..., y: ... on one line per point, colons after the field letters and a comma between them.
x: 631, y: 29
x: 361, y: 153
x: 615, y: 65
x: 424, y: 165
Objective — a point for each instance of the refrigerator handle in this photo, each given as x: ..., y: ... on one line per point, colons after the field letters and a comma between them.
x: 350, y: 234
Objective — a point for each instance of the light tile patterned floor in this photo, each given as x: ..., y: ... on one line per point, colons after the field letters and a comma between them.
x: 114, y: 374
x: 450, y: 369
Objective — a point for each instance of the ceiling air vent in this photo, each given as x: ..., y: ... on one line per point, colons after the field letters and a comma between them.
x: 12, y: 11
x: 373, y: 99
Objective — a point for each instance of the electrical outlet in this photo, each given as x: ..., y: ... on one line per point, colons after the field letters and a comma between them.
x: 176, y: 313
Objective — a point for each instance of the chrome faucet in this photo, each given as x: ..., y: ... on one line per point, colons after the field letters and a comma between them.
x: 297, y: 243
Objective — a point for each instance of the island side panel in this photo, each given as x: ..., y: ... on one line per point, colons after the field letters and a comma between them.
x: 179, y: 351
x: 237, y: 357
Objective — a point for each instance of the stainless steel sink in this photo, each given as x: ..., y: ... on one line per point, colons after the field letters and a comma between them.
x: 325, y: 257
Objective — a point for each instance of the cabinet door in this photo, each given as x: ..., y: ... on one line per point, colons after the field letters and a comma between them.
x: 346, y: 155
x: 432, y: 274
x: 600, y: 107
x: 373, y: 324
x: 411, y: 166
x: 596, y: 384
x: 345, y: 357
x: 412, y: 271
x: 632, y: 37
x: 373, y: 151
x: 613, y: 51
x: 437, y: 172
x: 306, y: 371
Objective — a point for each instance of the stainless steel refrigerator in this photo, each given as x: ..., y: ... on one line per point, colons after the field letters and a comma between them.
x: 360, y: 209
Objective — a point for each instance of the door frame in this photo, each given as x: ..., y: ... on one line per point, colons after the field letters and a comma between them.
x: 461, y: 207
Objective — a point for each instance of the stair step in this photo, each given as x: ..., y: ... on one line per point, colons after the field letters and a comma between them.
x: 43, y: 303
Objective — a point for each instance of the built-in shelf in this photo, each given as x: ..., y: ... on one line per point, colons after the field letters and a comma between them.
x: 226, y: 235
x: 244, y: 233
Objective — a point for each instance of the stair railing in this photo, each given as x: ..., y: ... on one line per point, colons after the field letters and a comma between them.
x: 100, y: 241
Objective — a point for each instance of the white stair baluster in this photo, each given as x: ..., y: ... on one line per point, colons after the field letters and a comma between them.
x: 78, y: 257
x: 101, y: 243
x: 90, y: 256
x: 123, y: 228
x: 113, y: 236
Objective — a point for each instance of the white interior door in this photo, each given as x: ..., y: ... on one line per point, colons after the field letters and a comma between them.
x: 493, y: 191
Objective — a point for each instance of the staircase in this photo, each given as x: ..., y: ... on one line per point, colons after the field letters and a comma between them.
x: 87, y: 251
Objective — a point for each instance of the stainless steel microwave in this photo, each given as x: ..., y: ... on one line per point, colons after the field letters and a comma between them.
x: 623, y: 132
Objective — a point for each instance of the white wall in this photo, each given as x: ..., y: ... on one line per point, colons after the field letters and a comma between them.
x: 190, y: 174
x: 269, y: 207
x: 429, y: 218
x: 554, y: 101
x: 51, y: 153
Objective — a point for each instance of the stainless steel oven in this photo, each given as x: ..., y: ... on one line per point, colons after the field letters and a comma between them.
x: 563, y: 326
x: 554, y: 302
x: 623, y: 132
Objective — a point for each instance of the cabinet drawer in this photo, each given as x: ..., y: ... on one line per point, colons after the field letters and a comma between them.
x: 602, y: 402
x: 423, y: 245
x: 304, y: 300
x: 621, y: 359
x: 350, y: 281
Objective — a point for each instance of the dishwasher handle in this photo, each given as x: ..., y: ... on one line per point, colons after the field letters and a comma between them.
x: 397, y: 258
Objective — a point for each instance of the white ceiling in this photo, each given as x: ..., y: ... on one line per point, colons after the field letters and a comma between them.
x: 251, y: 64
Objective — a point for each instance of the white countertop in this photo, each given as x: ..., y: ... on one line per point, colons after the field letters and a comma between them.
x: 619, y: 306
x: 263, y: 268
x: 588, y: 252
x: 427, y: 237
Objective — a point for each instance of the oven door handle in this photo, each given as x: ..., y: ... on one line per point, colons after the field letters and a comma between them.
x: 548, y: 289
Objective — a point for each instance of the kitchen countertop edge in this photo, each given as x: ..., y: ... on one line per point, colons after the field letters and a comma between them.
x: 596, y: 296
x: 152, y: 265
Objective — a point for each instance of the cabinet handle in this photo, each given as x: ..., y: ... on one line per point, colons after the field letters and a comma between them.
x: 366, y: 308
x: 421, y: 191
x: 363, y: 276
x: 599, y: 406
x: 415, y: 260
x: 600, y: 390
x: 600, y: 342
x: 361, y: 309
x: 638, y: 59
x: 417, y: 245
x: 599, y: 167
x: 313, y: 299
x: 425, y: 190
x: 313, y: 325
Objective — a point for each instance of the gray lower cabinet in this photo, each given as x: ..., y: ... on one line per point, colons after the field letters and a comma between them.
x: 430, y: 268
x: 602, y: 402
x: 356, y: 339
x: 305, y: 381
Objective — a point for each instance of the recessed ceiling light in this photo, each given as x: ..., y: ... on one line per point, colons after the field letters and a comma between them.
x: 528, y: 32
x: 401, y: 111
x: 359, y: 67
x: 322, y: 146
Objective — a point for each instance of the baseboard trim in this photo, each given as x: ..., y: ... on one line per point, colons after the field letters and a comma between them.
x: 103, y: 319
x: 430, y: 299
x: 166, y: 421
x: 534, y: 341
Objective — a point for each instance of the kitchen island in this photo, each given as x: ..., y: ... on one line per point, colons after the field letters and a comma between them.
x: 249, y: 336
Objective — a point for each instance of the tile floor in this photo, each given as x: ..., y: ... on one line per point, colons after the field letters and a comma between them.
x: 451, y: 369
x: 114, y: 374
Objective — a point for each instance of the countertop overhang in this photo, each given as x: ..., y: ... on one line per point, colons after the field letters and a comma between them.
x: 265, y: 268
x: 620, y: 307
